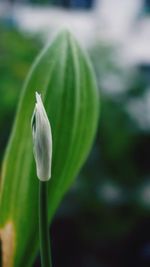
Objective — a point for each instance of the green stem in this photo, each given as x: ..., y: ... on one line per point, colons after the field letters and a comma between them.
x: 44, y: 226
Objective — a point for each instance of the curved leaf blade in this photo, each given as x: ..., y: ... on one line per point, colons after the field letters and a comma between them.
x: 65, y: 79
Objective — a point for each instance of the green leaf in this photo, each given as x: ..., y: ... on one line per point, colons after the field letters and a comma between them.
x: 64, y: 77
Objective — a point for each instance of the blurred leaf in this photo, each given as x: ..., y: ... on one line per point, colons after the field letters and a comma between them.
x: 17, y: 51
x: 63, y: 75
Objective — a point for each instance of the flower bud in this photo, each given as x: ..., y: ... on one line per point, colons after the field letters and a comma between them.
x: 42, y: 140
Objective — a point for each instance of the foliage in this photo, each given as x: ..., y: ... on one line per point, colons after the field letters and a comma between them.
x: 108, y: 205
x: 106, y: 214
x: 66, y: 81
x: 17, y: 51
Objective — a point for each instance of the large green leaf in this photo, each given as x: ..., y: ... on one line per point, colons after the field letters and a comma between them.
x: 64, y: 77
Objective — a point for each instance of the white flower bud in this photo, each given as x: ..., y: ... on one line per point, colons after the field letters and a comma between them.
x: 42, y: 140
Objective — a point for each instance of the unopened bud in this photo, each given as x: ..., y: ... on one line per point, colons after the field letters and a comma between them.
x: 42, y: 140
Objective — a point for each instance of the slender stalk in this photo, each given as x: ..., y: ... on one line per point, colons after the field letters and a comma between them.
x: 43, y: 225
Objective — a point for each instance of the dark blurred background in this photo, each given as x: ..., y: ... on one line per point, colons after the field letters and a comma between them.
x: 104, y: 221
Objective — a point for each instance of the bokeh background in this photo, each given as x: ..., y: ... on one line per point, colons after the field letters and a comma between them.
x: 104, y: 220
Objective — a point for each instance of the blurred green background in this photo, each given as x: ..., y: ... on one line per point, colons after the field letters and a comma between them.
x: 104, y: 219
